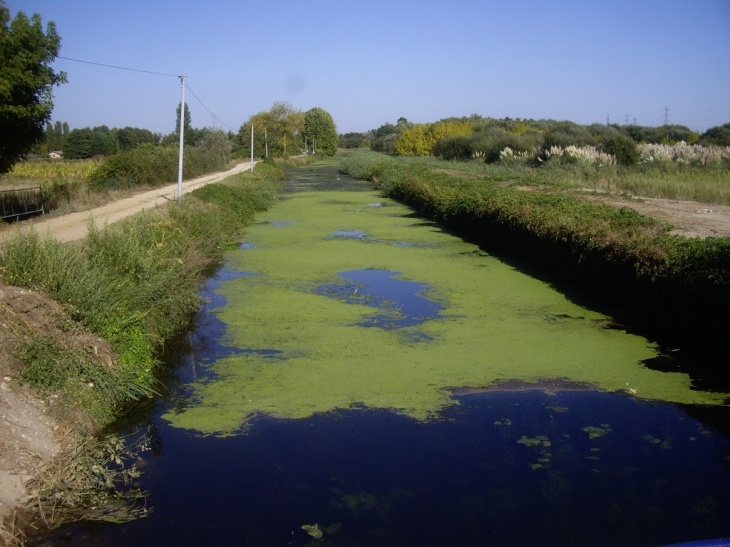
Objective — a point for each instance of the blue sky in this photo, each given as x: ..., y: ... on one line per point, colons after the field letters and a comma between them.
x: 371, y: 62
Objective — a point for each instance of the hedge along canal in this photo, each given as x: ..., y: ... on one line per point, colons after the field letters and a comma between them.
x: 345, y: 311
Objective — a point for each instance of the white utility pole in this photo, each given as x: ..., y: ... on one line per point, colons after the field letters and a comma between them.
x: 252, y: 148
x: 182, y: 129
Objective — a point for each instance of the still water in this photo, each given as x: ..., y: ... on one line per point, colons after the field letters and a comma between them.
x: 358, y: 368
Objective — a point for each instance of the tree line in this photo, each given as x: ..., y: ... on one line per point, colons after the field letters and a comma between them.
x: 477, y: 136
x: 284, y: 131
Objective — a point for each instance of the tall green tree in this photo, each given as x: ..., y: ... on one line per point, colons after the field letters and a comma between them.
x: 320, y: 131
x: 26, y: 82
x: 278, y: 129
x: 187, y: 123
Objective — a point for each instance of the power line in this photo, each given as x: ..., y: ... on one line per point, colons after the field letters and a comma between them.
x: 119, y: 67
x: 150, y: 72
x: 209, y: 112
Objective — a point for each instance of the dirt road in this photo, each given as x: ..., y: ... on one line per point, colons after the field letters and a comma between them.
x: 74, y: 226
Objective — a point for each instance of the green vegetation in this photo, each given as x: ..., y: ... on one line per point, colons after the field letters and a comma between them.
x: 320, y: 131
x: 668, y: 284
x: 157, y: 165
x: 277, y: 132
x: 420, y: 139
x: 669, y: 161
x: 133, y: 284
x: 26, y: 82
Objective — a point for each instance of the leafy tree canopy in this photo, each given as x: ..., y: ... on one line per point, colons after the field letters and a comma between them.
x: 26, y: 82
x: 321, y: 131
x: 280, y: 128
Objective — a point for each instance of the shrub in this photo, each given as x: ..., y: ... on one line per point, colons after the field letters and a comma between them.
x: 454, y: 148
x: 623, y: 148
x: 151, y: 165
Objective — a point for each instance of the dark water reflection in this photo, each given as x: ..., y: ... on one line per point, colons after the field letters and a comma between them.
x: 655, y: 476
x: 502, y: 468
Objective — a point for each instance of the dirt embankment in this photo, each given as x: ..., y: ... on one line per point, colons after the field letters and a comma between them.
x: 33, y: 431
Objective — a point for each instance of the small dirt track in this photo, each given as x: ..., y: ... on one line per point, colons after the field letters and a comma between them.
x: 74, y: 226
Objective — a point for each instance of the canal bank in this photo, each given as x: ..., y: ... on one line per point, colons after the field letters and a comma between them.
x: 315, y: 398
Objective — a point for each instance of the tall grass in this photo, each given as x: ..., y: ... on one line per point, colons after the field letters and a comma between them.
x: 49, y: 169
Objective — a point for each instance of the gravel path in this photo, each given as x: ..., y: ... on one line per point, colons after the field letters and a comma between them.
x: 74, y: 226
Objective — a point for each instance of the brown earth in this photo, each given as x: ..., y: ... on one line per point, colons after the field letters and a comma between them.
x: 689, y: 218
x: 33, y: 431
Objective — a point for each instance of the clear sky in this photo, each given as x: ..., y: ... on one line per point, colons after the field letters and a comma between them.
x: 368, y: 62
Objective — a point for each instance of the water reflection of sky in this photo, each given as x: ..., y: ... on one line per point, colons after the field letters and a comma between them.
x: 403, y: 302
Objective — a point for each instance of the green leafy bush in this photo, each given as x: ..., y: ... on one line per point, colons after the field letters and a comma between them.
x: 151, y: 165
x: 623, y: 148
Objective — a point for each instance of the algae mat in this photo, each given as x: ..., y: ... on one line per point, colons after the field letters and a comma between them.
x: 301, y: 343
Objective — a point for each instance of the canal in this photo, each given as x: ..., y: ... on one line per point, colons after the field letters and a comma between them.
x: 360, y: 376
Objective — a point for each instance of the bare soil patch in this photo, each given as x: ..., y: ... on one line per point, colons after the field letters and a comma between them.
x: 689, y: 218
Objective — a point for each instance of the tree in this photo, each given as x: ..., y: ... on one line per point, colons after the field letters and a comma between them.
x: 320, y: 131
x: 26, y: 82
x: 278, y: 129
x: 78, y: 144
x: 188, y: 119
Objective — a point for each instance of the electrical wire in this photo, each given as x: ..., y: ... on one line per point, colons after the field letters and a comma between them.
x: 150, y: 72
x: 209, y: 112
x: 119, y: 67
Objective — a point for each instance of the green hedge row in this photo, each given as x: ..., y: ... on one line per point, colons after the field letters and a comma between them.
x: 671, y: 287
x: 150, y: 165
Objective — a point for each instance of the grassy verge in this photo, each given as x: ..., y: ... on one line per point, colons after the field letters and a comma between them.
x: 675, y: 288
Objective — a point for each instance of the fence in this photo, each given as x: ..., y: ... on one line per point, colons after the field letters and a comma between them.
x: 21, y: 201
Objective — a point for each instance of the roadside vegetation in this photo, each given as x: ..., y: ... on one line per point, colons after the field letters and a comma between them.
x: 667, y: 284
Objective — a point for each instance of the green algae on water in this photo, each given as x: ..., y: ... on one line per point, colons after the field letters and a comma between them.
x: 496, y: 323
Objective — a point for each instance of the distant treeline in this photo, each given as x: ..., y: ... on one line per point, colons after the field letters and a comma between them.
x: 86, y: 142
x: 478, y: 137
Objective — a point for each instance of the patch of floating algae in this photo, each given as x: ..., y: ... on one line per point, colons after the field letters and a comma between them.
x: 495, y: 324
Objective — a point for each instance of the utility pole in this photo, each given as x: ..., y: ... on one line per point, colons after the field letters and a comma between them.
x: 626, y: 119
x: 252, y: 149
x: 182, y: 130
x: 634, y: 120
